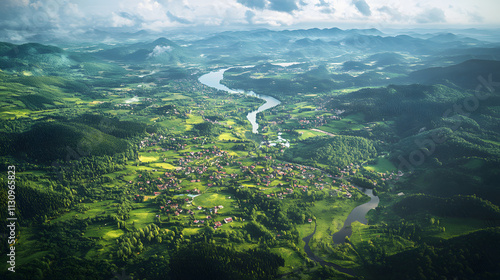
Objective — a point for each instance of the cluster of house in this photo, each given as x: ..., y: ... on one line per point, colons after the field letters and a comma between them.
x: 391, y: 176
x: 279, y: 195
x: 218, y: 224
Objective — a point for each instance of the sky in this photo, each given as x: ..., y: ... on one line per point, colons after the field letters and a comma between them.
x: 21, y: 17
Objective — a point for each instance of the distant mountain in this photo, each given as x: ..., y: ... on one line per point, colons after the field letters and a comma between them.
x: 354, y: 65
x: 464, y: 74
x: 328, y: 44
x: 386, y: 58
x: 162, y: 50
x: 450, y: 37
x: 305, y: 33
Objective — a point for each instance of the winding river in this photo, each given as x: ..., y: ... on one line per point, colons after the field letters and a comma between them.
x: 213, y: 79
x: 357, y: 214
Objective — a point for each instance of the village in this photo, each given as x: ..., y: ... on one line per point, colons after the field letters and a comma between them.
x: 198, y: 189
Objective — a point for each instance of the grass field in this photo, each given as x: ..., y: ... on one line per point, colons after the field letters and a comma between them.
x: 382, y: 165
x: 209, y: 200
x: 351, y: 122
x: 457, y: 226
x: 305, y: 133
x: 141, y: 217
x: 100, y: 208
x: 292, y: 259
x: 227, y: 136
x: 147, y: 158
x: 194, y: 119
x: 174, y: 96
x: 163, y: 165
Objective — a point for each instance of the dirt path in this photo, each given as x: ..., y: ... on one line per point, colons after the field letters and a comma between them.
x: 324, y: 132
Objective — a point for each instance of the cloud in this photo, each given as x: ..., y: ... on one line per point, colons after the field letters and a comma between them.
x: 253, y: 4
x: 434, y: 15
x: 362, y: 7
x: 393, y: 13
x: 16, y: 3
x: 325, y: 7
x: 177, y: 19
x: 121, y: 20
x: 38, y: 16
x: 323, y: 3
x: 287, y: 6
x: 158, y: 50
x: 249, y: 15
x: 475, y: 17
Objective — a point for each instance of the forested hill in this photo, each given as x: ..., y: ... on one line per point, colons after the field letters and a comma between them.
x: 37, y: 58
x: 334, y: 152
x: 464, y: 74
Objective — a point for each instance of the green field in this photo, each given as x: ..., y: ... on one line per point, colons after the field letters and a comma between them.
x: 382, y: 165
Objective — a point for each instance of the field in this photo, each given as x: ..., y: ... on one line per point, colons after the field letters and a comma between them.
x: 382, y: 165
x: 348, y: 123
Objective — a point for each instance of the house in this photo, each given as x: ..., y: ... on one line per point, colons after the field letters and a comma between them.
x: 309, y: 220
x: 228, y: 220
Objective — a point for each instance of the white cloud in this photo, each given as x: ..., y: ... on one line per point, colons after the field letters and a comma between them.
x: 119, y: 21
x: 433, y: 15
x: 158, y: 50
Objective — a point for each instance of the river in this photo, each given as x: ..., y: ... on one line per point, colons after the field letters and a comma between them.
x: 213, y: 79
x: 357, y: 214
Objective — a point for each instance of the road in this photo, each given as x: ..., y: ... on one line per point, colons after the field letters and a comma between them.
x: 324, y: 132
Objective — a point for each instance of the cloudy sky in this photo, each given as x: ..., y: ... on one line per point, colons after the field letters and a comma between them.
x: 17, y: 16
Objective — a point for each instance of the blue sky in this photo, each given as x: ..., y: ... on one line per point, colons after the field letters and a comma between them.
x: 70, y: 16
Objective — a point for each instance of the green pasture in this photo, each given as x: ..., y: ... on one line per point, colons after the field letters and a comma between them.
x: 293, y: 260
x: 351, y: 122
x: 457, y: 226
x: 305, y: 133
x: 141, y: 217
x: 101, y: 208
x: 382, y: 165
